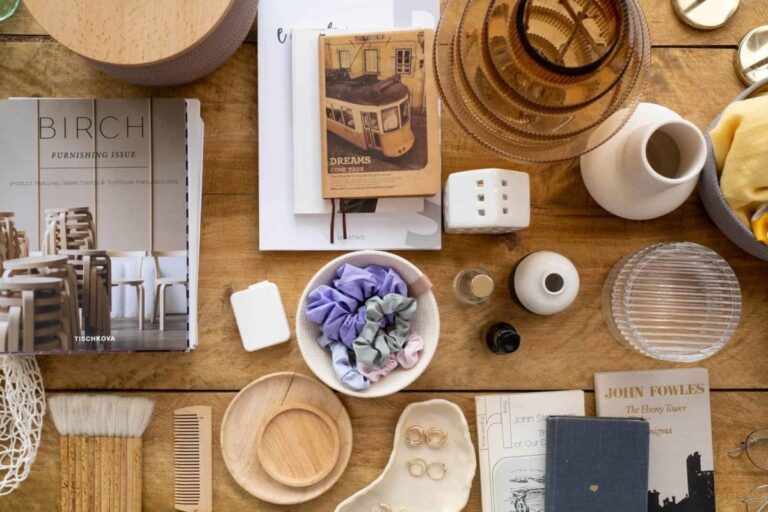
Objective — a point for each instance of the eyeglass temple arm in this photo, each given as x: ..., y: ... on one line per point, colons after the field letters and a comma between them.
x: 736, y: 452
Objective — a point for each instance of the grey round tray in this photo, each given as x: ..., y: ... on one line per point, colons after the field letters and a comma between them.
x: 715, y: 203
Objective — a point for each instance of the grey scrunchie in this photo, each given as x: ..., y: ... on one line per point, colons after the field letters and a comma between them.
x: 373, y: 346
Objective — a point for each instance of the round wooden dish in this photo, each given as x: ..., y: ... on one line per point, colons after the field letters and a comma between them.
x: 267, y: 409
x: 130, y: 32
x: 298, y: 445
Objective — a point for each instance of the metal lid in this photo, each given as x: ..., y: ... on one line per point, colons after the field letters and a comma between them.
x: 752, y: 57
x: 705, y: 14
x: 482, y: 286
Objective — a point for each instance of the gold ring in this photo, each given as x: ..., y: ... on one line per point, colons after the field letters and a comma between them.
x: 417, y: 467
x: 436, y: 438
x: 414, y: 436
x: 437, y: 471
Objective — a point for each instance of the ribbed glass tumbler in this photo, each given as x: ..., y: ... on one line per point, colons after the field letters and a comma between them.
x: 533, y: 80
x: 677, y: 302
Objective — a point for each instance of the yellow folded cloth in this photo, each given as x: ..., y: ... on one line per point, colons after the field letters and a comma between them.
x: 760, y: 224
x: 740, y: 141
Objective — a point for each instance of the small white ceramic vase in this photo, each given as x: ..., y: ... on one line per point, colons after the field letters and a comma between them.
x: 546, y: 283
x: 649, y: 168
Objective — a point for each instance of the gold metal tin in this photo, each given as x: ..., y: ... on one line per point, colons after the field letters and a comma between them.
x: 705, y: 14
x: 752, y: 57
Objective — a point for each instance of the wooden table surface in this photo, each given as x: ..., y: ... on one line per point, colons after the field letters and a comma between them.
x: 692, y: 74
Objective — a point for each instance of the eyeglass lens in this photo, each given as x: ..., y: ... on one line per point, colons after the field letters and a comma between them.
x: 757, y: 448
x: 757, y: 499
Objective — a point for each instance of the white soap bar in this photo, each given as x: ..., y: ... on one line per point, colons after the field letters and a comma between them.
x: 260, y: 316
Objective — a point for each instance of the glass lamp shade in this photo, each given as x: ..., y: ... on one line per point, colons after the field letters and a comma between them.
x: 534, y: 79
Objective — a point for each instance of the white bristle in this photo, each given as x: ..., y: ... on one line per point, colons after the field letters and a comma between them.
x: 100, y: 415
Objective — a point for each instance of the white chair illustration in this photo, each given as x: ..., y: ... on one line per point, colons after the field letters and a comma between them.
x: 136, y: 282
x: 163, y: 283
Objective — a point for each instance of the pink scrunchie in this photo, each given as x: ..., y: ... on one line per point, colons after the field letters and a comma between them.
x: 410, y: 354
x: 407, y: 358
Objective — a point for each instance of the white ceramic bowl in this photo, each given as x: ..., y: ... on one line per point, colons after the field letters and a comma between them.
x: 426, y: 323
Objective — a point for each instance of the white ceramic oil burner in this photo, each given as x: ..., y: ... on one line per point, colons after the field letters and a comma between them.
x: 649, y: 168
x: 546, y: 283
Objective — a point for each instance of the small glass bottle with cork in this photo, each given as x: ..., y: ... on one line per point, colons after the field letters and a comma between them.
x: 473, y: 286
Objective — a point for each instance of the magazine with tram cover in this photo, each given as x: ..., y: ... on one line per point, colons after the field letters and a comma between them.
x: 111, y: 185
x: 379, y: 111
x: 307, y: 127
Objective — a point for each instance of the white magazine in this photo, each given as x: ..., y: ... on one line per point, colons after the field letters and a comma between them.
x: 279, y: 228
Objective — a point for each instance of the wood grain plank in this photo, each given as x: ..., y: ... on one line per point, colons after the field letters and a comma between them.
x: 734, y: 416
x: 666, y: 29
x: 23, y: 23
x: 228, y: 99
x: 565, y: 219
x: 231, y: 262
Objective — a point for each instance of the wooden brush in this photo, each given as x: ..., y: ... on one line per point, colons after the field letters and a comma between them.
x: 101, y: 459
x: 192, y: 459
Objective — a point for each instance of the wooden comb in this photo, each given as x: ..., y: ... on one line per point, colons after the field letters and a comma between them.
x: 192, y: 459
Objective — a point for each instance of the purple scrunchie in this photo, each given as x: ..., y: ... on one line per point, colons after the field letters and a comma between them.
x: 340, y: 309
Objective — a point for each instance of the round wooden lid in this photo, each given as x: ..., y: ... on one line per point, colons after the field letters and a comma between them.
x: 129, y: 32
x: 298, y: 445
x: 263, y: 402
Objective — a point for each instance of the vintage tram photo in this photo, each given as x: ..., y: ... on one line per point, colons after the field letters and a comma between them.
x: 375, y: 102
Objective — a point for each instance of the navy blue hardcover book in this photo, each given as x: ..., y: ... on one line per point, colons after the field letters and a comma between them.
x: 596, y: 465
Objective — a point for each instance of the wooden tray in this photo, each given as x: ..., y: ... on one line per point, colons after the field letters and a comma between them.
x: 298, y: 445
x: 251, y: 417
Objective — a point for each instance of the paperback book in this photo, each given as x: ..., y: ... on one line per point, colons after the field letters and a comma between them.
x: 132, y: 168
x: 379, y: 111
x: 512, y: 445
x: 676, y: 405
x: 307, y: 144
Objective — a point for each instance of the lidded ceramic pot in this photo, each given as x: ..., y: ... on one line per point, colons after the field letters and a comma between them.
x: 534, y: 79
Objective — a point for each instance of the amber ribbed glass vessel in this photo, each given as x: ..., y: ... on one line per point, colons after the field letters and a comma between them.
x: 533, y: 79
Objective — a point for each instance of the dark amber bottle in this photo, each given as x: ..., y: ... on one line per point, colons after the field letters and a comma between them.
x: 501, y: 338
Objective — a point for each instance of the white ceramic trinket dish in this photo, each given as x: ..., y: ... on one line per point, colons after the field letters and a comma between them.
x: 397, y: 490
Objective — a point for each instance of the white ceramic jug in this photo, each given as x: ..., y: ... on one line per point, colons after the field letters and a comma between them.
x: 649, y: 168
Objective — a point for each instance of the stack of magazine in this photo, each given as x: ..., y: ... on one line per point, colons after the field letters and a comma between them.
x: 295, y: 213
x: 137, y: 166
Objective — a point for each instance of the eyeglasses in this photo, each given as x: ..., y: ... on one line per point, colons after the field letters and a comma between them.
x: 756, y: 447
x: 756, y: 500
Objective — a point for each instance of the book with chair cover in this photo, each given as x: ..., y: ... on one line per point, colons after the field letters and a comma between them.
x: 102, y: 196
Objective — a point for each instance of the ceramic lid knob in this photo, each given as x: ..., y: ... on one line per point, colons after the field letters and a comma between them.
x: 546, y: 283
x: 706, y: 14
